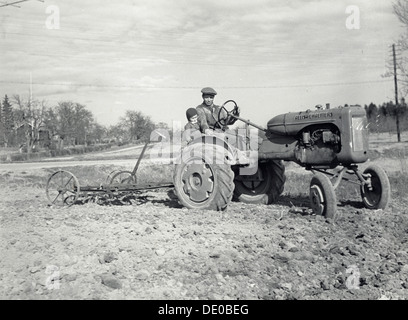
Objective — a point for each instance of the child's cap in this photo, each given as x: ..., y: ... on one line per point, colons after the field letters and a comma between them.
x: 191, y: 112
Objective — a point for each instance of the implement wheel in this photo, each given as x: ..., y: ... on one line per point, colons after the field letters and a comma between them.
x: 264, y: 187
x: 322, y: 196
x: 377, y: 192
x: 62, y: 188
x: 110, y: 175
x: 123, y: 177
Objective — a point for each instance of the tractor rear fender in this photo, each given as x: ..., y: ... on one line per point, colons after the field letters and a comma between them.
x: 211, y: 148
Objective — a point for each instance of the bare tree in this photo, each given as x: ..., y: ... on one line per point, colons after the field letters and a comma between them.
x: 73, y: 123
x: 98, y: 133
x: 137, y: 125
x: 29, y: 116
x: 118, y: 133
x: 400, y: 8
x: 401, y: 11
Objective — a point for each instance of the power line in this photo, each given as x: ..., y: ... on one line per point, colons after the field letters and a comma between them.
x: 243, y: 50
x: 162, y: 35
x: 264, y: 63
x: 5, y: 4
x: 182, y: 57
x: 194, y: 87
x: 12, y: 3
x: 158, y: 35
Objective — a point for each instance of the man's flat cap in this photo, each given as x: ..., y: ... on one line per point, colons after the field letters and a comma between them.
x: 209, y: 90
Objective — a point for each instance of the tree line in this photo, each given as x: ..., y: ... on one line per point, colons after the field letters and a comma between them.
x: 382, y: 118
x: 31, y: 123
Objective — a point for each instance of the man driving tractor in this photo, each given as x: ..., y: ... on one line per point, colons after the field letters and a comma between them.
x: 208, y: 112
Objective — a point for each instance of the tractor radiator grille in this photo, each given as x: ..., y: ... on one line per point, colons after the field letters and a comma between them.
x: 358, y: 131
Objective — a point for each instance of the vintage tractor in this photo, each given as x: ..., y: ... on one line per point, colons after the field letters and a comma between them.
x: 213, y: 169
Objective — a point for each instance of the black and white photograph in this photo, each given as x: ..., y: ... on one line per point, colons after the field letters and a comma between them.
x: 203, y: 154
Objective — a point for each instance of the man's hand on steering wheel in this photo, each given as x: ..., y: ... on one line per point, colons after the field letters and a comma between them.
x: 236, y: 111
x: 229, y: 119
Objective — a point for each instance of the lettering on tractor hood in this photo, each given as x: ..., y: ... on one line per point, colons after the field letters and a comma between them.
x: 314, y: 116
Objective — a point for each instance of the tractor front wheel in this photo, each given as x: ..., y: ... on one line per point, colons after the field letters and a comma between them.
x: 322, y: 196
x: 377, y: 192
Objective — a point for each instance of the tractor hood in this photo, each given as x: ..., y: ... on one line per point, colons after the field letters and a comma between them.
x: 291, y: 123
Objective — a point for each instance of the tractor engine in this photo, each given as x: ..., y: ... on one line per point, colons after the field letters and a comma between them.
x: 318, y: 145
x: 322, y: 138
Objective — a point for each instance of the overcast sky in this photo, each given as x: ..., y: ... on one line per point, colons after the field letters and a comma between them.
x: 155, y: 56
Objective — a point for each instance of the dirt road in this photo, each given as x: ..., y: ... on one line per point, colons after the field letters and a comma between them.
x: 27, y: 166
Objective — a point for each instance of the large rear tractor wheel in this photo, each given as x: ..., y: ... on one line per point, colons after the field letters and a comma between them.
x: 322, y: 196
x: 377, y: 192
x: 200, y: 184
x: 264, y: 187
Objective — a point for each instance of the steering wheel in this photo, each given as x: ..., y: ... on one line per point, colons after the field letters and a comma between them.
x: 225, y: 121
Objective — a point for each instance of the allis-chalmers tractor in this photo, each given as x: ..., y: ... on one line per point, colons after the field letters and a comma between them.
x: 329, y: 142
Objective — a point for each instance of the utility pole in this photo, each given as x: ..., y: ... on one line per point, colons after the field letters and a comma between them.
x: 31, y: 88
x: 396, y: 93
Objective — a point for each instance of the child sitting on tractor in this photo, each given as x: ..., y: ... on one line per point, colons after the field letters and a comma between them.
x: 192, y: 128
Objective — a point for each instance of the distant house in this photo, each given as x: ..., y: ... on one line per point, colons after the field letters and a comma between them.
x: 43, y: 135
